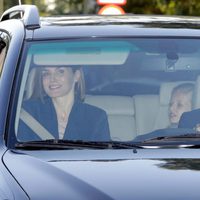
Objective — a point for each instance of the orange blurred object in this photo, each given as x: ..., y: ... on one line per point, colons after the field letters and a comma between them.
x: 111, y: 10
x: 118, y: 2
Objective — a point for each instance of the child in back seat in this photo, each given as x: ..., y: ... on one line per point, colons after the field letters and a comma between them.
x: 180, y: 102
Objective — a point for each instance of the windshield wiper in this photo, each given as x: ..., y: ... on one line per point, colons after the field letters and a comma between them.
x: 170, y: 136
x: 71, y: 144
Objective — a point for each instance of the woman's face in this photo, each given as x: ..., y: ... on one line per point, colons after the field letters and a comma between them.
x: 59, y: 81
x: 180, y: 102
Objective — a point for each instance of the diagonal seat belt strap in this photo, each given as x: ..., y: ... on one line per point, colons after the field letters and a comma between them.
x: 33, y: 124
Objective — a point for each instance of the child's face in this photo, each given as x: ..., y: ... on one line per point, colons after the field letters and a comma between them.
x: 179, y: 103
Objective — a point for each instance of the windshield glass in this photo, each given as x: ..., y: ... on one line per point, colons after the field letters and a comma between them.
x: 108, y: 89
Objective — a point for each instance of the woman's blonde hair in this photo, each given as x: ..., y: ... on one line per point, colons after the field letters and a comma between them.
x: 38, y: 90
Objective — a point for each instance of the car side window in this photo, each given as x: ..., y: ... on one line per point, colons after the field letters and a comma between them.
x: 3, y: 49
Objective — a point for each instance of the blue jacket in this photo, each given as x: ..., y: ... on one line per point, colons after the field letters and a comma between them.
x: 190, y: 119
x: 85, y: 122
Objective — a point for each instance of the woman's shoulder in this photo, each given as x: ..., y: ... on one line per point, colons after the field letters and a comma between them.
x: 32, y: 104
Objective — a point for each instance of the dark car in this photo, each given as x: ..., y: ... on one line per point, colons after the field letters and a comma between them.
x: 99, y: 107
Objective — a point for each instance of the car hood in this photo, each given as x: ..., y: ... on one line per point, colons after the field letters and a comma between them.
x: 103, y: 175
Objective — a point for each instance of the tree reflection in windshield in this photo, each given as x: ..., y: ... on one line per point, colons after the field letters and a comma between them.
x: 181, y: 164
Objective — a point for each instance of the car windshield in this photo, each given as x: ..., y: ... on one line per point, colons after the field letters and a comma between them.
x: 109, y: 89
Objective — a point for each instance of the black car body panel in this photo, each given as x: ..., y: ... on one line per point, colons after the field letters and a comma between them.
x: 119, y: 169
x: 118, y: 174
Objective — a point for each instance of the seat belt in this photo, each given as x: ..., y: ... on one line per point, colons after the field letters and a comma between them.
x: 33, y: 124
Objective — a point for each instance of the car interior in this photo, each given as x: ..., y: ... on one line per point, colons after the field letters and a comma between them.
x: 134, y: 89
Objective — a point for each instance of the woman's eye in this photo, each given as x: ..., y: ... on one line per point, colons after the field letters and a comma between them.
x: 61, y: 71
x: 45, y: 74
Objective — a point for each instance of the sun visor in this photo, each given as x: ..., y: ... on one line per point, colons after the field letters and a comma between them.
x: 82, y: 53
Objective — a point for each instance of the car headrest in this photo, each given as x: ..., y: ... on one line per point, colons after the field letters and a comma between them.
x: 29, y: 89
x: 196, y: 101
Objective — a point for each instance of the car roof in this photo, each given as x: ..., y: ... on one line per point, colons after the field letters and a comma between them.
x: 123, y: 25
x: 128, y: 25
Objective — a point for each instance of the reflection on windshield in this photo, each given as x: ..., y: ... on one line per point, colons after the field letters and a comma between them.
x: 181, y: 164
x: 108, y: 89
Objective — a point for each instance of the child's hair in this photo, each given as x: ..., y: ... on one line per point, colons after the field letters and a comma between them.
x: 184, y: 88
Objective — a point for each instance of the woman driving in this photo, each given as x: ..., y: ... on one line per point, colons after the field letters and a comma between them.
x: 57, y: 106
